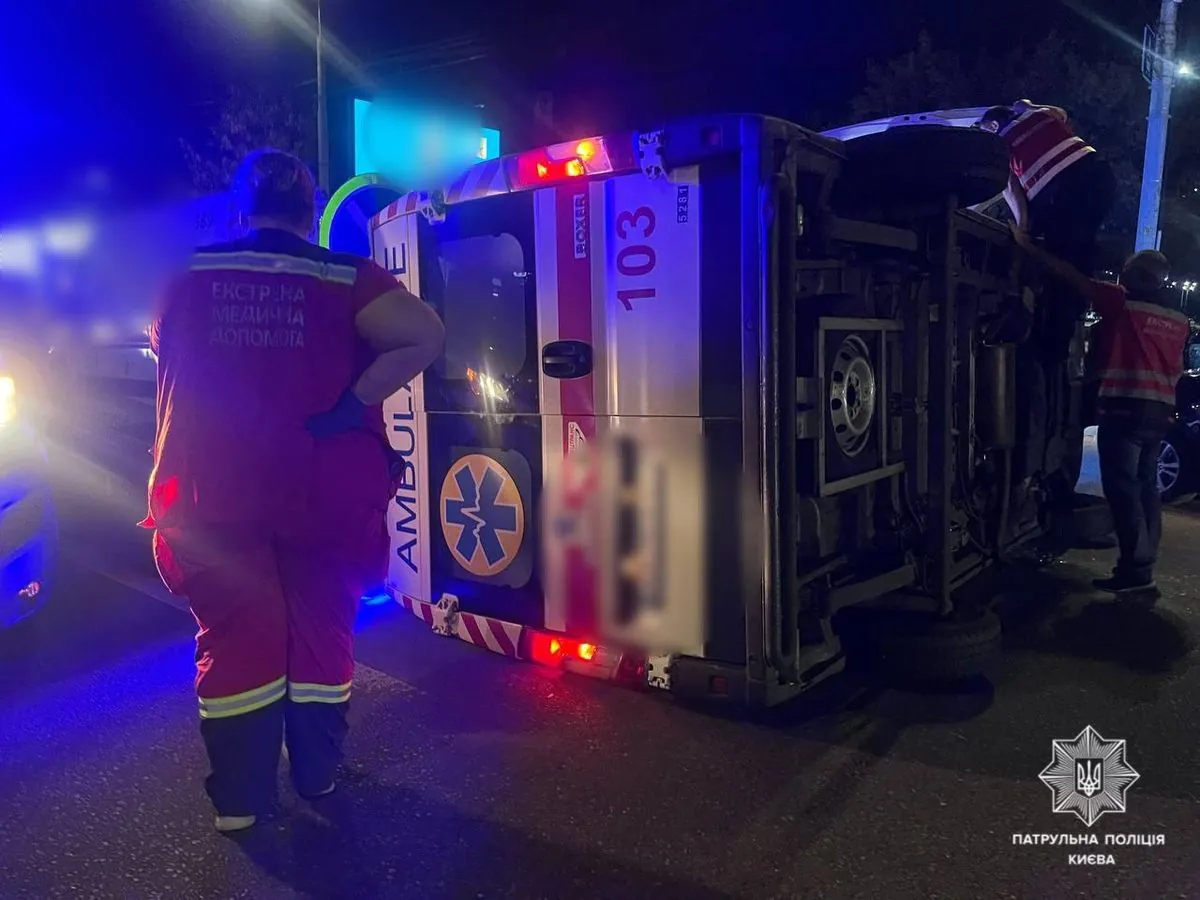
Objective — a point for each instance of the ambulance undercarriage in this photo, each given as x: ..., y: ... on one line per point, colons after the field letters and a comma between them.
x: 708, y: 388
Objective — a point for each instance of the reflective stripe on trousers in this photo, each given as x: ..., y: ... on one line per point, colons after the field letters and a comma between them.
x: 245, y: 702
x: 299, y: 692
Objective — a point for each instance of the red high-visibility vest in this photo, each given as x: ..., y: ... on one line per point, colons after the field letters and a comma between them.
x: 1040, y: 147
x: 1143, y: 345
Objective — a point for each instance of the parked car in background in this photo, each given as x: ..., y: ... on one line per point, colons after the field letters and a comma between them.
x: 28, y: 520
x: 1179, y: 458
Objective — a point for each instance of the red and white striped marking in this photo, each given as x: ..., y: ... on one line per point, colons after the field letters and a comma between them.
x: 409, y: 203
x: 481, y: 180
x: 491, y: 634
x: 484, y: 179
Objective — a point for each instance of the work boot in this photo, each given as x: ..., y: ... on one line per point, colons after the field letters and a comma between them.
x: 1121, y: 583
x: 228, y: 824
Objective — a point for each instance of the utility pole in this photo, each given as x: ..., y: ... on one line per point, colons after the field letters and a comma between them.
x: 1160, y: 68
x: 323, y: 110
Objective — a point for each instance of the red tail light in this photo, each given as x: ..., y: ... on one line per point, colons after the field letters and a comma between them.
x: 560, y: 162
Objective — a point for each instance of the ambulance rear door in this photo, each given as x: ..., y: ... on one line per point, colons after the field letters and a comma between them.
x: 481, y: 408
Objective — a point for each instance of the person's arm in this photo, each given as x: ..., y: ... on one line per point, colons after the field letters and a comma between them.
x: 1018, y: 205
x: 1061, y: 268
x: 406, y: 334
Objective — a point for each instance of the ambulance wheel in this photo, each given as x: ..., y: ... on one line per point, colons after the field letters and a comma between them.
x: 919, y: 163
x: 924, y: 649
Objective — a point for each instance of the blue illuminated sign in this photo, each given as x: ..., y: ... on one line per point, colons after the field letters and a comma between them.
x: 412, y: 144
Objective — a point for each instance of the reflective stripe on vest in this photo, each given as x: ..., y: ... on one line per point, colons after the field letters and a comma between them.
x: 1150, y: 338
x: 1041, y: 146
x: 245, y: 702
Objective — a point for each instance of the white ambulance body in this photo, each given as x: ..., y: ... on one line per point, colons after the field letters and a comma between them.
x: 599, y: 470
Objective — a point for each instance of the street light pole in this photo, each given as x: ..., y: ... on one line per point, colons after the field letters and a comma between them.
x: 322, y: 110
x: 1163, y: 70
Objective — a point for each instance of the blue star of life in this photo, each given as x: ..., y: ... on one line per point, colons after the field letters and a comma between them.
x: 480, y: 516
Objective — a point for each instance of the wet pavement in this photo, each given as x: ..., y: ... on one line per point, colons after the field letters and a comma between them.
x: 486, y: 778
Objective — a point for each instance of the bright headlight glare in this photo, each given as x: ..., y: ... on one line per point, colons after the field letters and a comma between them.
x: 8, y: 399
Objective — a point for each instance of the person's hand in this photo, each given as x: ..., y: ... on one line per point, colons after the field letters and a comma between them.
x: 348, y: 414
x: 1020, y: 236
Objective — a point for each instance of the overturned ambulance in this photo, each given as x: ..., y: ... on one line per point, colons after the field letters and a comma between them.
x: 711, y: 391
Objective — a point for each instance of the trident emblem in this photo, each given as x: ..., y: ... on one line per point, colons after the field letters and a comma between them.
x: 1089, y: 776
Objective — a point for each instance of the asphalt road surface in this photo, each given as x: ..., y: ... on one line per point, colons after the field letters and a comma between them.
x: 480, y: 777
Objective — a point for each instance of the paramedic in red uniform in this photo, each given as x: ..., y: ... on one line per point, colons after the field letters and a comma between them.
x: 271, y: 479
x: 1140, y: 348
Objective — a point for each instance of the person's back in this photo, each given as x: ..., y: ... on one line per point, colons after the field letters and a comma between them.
x: 259, y: 336
x: 1141, y: 343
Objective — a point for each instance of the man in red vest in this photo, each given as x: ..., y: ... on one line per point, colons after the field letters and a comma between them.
x: 1059, y: 190
x: 1139, y: 347
x: 271, y: 480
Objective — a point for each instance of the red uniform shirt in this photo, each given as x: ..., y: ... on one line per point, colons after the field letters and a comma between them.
x: 1040, y: 146
x: 256, y: 337
x: 1139, y: 345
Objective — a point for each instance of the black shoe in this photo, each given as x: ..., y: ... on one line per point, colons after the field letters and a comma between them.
x: 1125, y: 584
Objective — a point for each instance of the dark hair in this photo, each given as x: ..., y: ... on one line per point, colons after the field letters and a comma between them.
x: 276, y: 185
x: 1146, y: 272
x: 1001, y: 115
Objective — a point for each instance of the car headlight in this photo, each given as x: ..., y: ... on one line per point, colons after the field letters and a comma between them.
x: 8, y: 400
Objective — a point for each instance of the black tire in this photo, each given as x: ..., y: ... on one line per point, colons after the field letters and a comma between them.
x: 924, y: 649
x: 920, y: 163
x: 1181, y: 486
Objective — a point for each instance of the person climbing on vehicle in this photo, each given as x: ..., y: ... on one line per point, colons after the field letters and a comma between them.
x: 1060, y: 189
x: 1140, y: 342
x: 271, y: 482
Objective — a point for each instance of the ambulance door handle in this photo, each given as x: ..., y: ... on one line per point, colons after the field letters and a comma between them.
x: 567, y: 359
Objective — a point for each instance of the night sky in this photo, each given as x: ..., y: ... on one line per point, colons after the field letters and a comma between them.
x: 78, y: 81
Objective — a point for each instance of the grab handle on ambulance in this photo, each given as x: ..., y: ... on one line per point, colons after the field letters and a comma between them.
x: 567, y: 359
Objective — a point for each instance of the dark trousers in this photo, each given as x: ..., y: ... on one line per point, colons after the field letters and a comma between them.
x: 244, y: 753
x: 1066, y: 215
x: 1129, y: 474
x: 1069, y: 211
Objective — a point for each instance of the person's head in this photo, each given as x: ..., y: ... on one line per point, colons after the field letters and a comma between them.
x: 274, y: 189
x: 1145, y: 273
x: 996, y: 118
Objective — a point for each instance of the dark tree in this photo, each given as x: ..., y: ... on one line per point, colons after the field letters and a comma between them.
x: 1106, y: 98
x: 247, y: 120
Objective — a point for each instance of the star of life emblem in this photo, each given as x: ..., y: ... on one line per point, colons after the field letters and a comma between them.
x: 1088, y: 776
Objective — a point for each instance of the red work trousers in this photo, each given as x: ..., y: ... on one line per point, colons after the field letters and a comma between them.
x: 276, y: 604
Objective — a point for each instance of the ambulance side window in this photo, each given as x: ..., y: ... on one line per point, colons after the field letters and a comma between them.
x: 481, y: 283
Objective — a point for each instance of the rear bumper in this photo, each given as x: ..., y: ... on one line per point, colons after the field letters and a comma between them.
x: 685, y: 677
x: 521, y: 642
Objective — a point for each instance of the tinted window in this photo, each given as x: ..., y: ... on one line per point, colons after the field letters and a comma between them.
x: 481, y: 283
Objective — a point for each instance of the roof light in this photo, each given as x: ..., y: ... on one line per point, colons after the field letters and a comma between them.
x: 559, y: 162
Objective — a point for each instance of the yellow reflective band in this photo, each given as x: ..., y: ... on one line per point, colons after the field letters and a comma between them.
x: 245, y: 702
x: 273, y: 263
x: 299, y: 692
